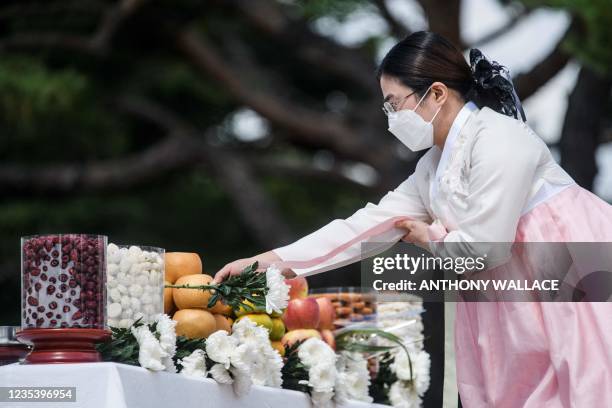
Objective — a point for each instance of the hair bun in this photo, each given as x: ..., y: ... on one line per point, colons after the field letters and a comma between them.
x: 494, y: 80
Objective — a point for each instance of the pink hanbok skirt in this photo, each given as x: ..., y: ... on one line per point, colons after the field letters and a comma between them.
x: 548, y: 354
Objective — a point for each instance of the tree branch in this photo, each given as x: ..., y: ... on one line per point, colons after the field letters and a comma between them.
x: 296, y: 35
x: 580, y: 136
x: 305, y: 126
x: 528, y: 83
x: 397, y: 29
x: 112, y: 21
x: 234, y: 174
x: 171, y: 153
x: 515, y: 19
x: 444, y: 18
x: 307, y: 171
x: 96, y: 45
x: 50, y: 40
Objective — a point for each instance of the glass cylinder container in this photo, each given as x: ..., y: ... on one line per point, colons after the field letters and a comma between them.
x: 63, y: 280
x: 352, y: 304
x: 11, y: 351
x: 135, y: 284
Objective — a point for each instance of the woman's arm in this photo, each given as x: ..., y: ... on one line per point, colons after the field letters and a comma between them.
x: 238, y: 266
x: 405, y: 200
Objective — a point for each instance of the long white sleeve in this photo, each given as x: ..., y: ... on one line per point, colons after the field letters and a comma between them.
x: 405, y: 200
x: 504, y: 160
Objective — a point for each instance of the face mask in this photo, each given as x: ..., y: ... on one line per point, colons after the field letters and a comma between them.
x: 411, y: 129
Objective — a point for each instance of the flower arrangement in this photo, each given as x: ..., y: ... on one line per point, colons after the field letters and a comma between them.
x: 353, y: 380
x: 403, y: 375
x: 242, y: 358
x: 250, y: 290
x: 310, y: 367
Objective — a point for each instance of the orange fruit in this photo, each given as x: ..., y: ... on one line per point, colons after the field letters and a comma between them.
x: 242, y: 310
x: 223, y: 322
x: 179, y: 264
x: 192, y: 298
x: 278, y: 329
x: 194, y: 323
x: 168, y: 301
x: 221, y: 308
x: 259, y: 319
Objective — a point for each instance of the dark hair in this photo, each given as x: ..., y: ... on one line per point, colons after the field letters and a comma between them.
x: 424, y: 57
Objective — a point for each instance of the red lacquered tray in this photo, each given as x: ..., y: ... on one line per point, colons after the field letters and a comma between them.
x: 12, y: 353
x: 51, y: 346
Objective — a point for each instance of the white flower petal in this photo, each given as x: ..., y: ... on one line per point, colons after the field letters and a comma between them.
x: 194, y: 365
x: 242, y: 382
x: 219, y: 347
x: 220, y: 374
x: 403, y: 395
x: 246, y: 331
x: 277, y: 297
x: 150, y: 352
x: 314, y: 351
x: 166, y: 327
x: 322, y: 399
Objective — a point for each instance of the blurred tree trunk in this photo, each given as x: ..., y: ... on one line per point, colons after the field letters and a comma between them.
x: 582, y: 126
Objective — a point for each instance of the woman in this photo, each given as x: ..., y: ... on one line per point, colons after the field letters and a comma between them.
x: 485, y: 178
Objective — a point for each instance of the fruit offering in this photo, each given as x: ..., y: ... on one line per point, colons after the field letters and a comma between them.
x: 63, y: 281
x: 135, y: 284
x: 307, y: 316
x: 189, y: 307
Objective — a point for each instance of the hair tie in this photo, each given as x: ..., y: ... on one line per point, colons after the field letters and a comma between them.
x: 489, y: 75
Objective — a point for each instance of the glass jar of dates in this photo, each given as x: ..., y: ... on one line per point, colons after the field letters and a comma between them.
x: 63, y: 281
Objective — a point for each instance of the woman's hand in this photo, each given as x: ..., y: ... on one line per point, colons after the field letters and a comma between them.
x: 236, y: 267
x: 416, y: 232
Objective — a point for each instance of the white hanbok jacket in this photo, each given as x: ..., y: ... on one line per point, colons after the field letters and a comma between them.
x: 492, y: 170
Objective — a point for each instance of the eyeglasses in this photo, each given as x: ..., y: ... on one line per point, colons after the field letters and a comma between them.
x: 390, y: 107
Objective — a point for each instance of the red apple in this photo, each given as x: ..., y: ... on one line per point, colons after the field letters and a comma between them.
x: 296, y: 335
x: 327, y: 313
x: 329, y: 338
x: 301, y: 314
x: 299, y: 287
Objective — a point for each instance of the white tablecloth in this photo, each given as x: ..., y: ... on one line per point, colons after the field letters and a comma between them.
x: 110, y: 385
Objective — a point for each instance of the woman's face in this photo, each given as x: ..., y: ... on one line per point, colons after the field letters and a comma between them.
x: 402, y: 97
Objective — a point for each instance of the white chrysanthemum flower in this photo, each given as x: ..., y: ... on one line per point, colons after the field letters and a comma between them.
x: 322, y: 377
x: 402, y: 365
x: 322, y: 399
x: 259, y: 370
x: 274, y: 366
x: 353, y: 380
x: 242, y: 382
x: 166, y: 327
x: 150, y: 353
x: 340, y: 389
x: 421, y: 366
x: 244, y: 357
x: 277, y: 297
x: 220, y: 374
x: 219, y: 347
x: 194, y: 365
x: 246, y: 331
x: 420, y: 369
x: 315, y: 351
x: 403, y: 395
x: 357, y: 386
x: 169, y: 364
